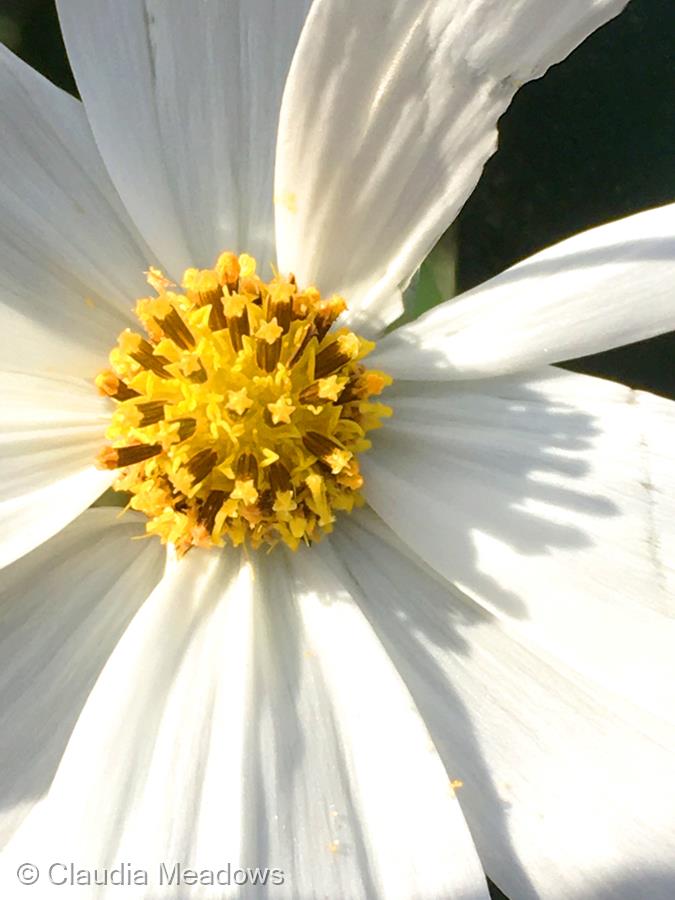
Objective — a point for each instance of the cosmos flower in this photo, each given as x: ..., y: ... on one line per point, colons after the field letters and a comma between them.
x: 472, y: 672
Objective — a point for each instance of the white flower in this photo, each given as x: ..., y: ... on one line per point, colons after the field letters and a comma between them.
x: 501, y: 615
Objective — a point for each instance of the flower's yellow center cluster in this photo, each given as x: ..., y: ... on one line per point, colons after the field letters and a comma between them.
x: 240, y: 414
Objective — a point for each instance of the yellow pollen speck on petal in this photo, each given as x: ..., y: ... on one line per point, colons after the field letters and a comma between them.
x: 288, y: 200
x: 281, y: 410
x: 240, y: 408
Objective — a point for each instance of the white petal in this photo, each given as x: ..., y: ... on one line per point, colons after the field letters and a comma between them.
x: 249, y: 716
x: 62, y: 610
x: 567, y: 788
x: 600, y: 289
x: 389, y: 115
x: 70, y: 261
x: 184, y: 100
x: 50, y: 432
x: 549, y: 498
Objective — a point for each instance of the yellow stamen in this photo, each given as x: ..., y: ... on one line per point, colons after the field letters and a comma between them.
x: 328, y: 388
x: 239, y: 401
x: 247, y: 265
x: 227, y: 269
x: 284, y: 504
x: 245, y: 491
x: 234, y: 306
x: 281, y: 411
x: 157, y: 280
x: 269, y: 332
x: 338, y: 460
x: 240, y: 414
x: 111, y: 386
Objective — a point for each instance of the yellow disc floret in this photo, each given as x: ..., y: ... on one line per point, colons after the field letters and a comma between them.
x: 241, y: 412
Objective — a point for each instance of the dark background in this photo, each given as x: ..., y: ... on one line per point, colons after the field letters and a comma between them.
x: 591, y: 141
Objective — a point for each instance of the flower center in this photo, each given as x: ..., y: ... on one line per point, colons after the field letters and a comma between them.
x: 240, y: 415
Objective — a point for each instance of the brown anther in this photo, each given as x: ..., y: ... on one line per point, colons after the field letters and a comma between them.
x: 120, y: 457
x: 247, y: 468
x: 310, y: 394
x: 238, y: 326
x: 210, y: 509
x: 319, y: 444
x: 329, y: 360
x: 282, y: 311
x: 208, y: 298
x: 310, y: 332
x: 267, y: 355
x: 200, y: 465
x: 280, y: 479
x: 151, y: 412
x: 217, y: 320
x: 355, y: 389
x: 109, y: 385
x: 186, y: 428
x: 265, y: 503
x: 175, y: 328
x: 352, y: 411
x: 143, y: 346
x: 145, y: 357
x: 200, y: 375
x: 328, y: 312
